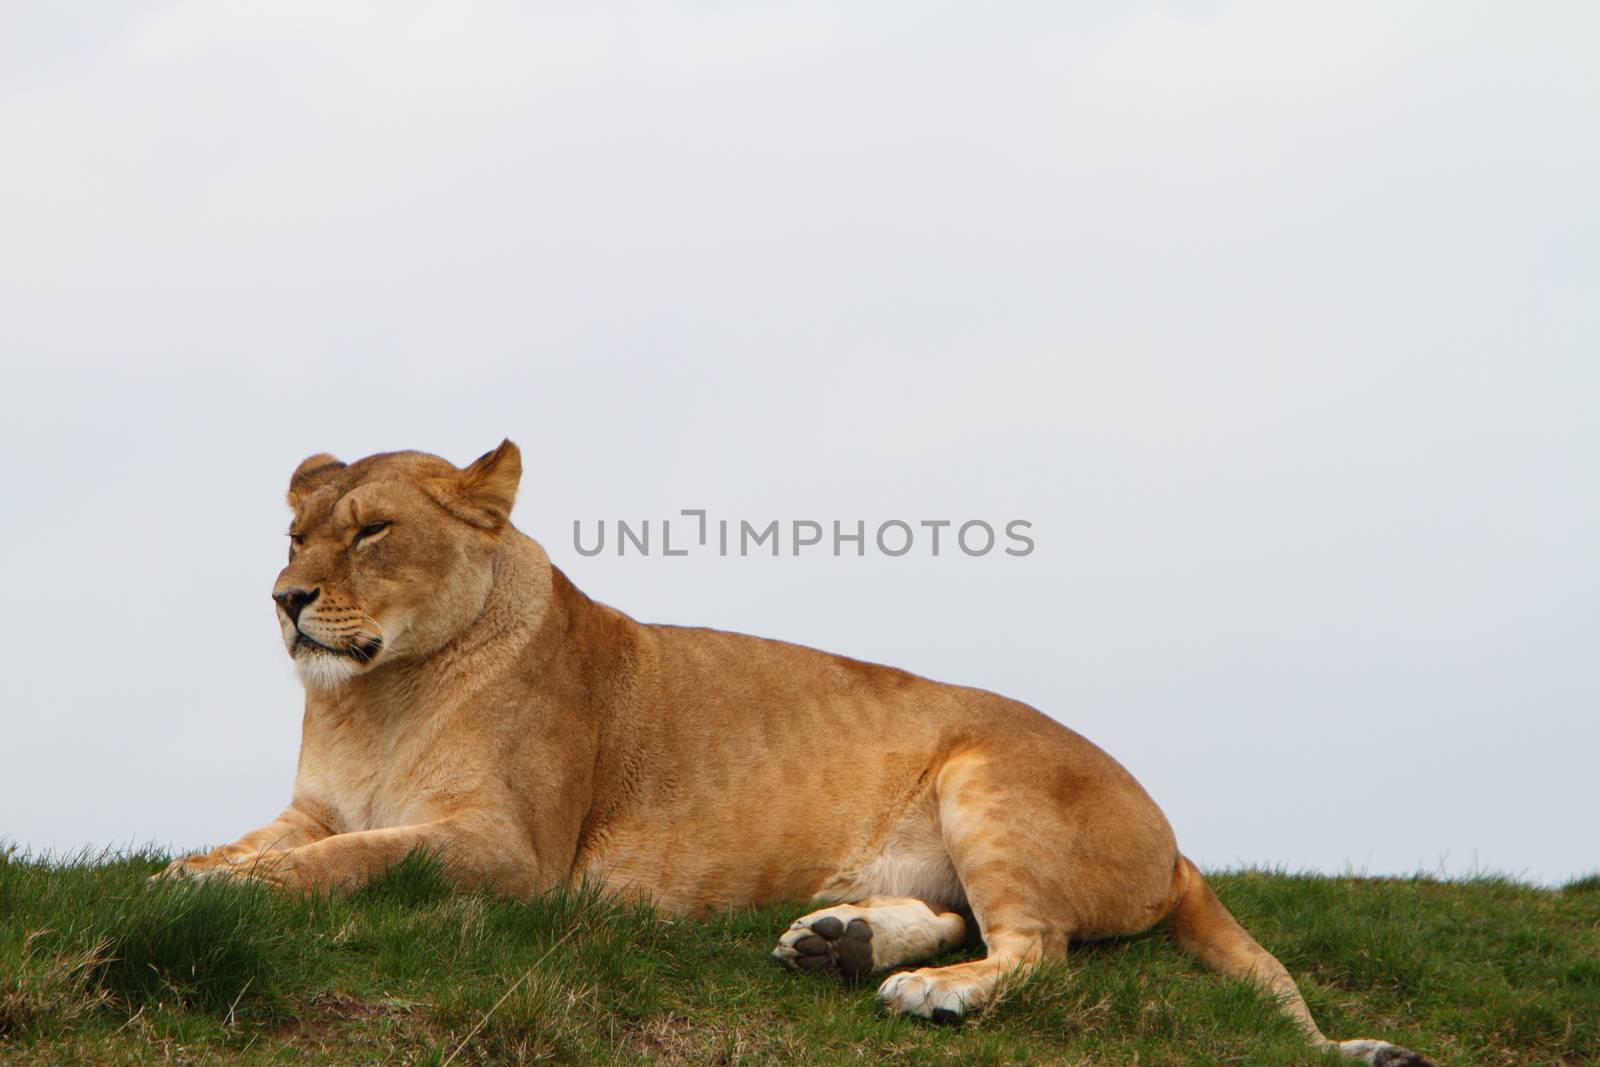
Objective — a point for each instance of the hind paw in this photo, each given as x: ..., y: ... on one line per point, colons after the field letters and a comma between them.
x: 838, y: 939
x: 874, y: 934
x: 929, y: 995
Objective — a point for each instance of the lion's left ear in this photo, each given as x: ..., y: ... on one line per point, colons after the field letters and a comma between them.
x: 311, y: 475
x: 483, y: 493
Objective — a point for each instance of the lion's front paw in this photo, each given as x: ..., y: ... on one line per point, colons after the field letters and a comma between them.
x: 837, y: 938
x: 272, y: 867
x: 194, y: 868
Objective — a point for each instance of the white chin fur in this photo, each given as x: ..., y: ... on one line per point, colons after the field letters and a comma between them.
x: 320, y: 671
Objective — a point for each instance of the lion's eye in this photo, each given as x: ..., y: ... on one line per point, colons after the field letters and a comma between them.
x: 298, y: 539
x: 371, y: 529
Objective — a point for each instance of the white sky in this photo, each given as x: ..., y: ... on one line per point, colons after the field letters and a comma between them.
x: 1278, y: 321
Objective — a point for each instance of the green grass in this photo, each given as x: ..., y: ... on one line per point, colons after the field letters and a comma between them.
x: 99, y: 966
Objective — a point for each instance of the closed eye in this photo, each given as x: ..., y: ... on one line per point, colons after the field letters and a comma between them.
x: 370, y: 530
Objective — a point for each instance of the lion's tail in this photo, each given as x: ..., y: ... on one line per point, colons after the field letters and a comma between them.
x: 1206, y: 930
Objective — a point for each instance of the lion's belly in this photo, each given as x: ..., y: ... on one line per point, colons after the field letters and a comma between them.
x: 688, y: 860
x: 911, y: 861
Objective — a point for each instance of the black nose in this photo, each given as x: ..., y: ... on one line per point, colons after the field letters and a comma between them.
x: 293, y: 601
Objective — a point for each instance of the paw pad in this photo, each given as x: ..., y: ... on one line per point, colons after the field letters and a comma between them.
x: 829, y: 943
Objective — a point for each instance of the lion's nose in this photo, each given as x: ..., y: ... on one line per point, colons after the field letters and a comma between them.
x: 293, y: 601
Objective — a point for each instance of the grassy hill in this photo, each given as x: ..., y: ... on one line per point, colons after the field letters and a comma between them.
x: 97, y: 966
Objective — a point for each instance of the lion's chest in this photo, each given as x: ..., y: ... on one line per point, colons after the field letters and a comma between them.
x: 363, y: 779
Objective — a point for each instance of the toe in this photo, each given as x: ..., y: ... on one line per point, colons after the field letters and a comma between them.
x: 811, y: 945
x: 890, y: 992
x: 906, y: 994
x: 829, y: 926
x: 855, y: 949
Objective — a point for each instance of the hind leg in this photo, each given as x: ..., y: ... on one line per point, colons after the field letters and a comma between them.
x: 945, y: 994
x: 871, y: 935
x: 1043, y: 854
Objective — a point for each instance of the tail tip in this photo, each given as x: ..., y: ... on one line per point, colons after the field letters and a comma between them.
x: 1383, y: 1054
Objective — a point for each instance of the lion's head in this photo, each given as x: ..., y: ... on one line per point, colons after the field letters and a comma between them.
x: 390, y: 557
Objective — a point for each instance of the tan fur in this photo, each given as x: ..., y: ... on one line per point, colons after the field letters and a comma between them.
x: 532, y: 737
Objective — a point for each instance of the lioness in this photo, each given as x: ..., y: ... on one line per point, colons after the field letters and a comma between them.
x: 463, y: 696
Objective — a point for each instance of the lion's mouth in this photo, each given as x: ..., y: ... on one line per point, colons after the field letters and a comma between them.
x: 361, y: 651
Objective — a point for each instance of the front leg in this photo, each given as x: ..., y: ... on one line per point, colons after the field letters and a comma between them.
x: 294, y: 828
x: 472, y: 853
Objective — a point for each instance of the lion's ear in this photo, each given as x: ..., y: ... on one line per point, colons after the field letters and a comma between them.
x: 311, y: 476
x: 483, y: 493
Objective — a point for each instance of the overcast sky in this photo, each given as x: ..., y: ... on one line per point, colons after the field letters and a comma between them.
x: 1279, y: 323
